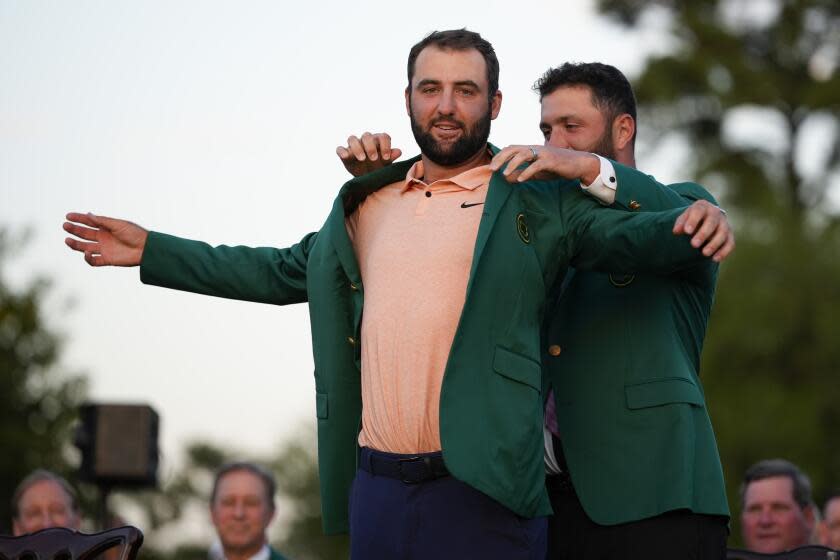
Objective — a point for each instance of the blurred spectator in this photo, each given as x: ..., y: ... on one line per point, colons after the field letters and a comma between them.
x: 44, y: 499
x: 830, y: 526
x: 242, y: 507
x: 777, y: 512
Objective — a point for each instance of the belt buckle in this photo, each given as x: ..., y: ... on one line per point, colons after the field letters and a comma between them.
x: 403, y: 478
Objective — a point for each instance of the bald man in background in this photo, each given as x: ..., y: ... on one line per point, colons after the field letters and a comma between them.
x: 42, y: 500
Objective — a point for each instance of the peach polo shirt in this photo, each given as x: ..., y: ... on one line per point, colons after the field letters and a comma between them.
x: 414, y: 243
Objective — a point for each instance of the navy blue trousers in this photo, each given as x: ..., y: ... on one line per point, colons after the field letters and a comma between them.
x: 437, y: 519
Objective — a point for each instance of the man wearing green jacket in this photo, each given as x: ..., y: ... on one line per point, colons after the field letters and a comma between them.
x: 634, y: 467
x: 640, y: 476
x: 434, y: 402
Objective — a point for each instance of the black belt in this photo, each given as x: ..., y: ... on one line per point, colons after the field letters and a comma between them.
x: 410, y: 469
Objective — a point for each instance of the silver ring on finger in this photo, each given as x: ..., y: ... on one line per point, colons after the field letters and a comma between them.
x: 534, y: 153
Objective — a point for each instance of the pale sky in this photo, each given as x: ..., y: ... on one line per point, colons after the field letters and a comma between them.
x: 219, y: 121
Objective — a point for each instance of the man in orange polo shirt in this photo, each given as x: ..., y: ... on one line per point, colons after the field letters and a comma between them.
x: 429, y: 410
x: 607, y: 491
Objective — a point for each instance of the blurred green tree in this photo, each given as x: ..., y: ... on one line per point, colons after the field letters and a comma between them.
x: 753, y: 90
x: 39, y: 406
x: 302, y: 537
x: 38, y: 402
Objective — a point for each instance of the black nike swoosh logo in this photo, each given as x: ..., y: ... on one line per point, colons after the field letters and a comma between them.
x: 465, y: 205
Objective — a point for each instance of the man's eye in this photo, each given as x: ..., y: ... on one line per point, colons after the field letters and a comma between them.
x: 572, y: 126
x: 466, y: 92
x: 429, y: 90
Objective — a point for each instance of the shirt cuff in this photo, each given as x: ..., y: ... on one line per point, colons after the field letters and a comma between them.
x: 604, y: 185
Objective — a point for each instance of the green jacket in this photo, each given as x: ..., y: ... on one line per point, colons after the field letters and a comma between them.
x: 630, y: 407
x: 491, y: 397
x: 275, y: 555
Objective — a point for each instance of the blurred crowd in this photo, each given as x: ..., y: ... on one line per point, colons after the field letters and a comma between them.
x: 777, y: 509
x: 241, y: 509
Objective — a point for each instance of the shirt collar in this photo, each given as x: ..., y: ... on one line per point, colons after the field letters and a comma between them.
x: 470, y: 179
x: 263, y: 554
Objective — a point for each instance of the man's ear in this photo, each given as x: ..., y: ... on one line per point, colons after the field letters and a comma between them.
x: 271, y: 513
x: 811, y: 515
x: 407, y: 101
x: 495, y: 105
x: 623, y: 131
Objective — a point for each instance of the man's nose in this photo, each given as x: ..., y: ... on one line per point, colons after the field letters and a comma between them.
x: 766, y: 517
x: 446, y: 105
x: 556, y: 140
x: 43, y: 521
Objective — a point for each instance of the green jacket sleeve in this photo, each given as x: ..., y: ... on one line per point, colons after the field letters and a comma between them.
x: 637, y: 191
x: 610, y: 240
x: 262, y: 274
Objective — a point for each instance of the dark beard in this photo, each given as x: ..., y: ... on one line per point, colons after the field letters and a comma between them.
x: 604, y: 146
x: 473, y: 140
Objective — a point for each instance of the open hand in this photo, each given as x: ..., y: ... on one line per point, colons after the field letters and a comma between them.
x: 105, y: 241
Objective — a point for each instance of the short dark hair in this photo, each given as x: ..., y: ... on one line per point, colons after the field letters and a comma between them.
x: 611, y: 91
x: 459, y: 40
x: 770, y: 468
x: 260, y: 472
x: 33, y: 478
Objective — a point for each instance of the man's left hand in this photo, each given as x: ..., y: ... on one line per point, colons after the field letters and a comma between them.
x: 546, y: 162
x: 709, y: 227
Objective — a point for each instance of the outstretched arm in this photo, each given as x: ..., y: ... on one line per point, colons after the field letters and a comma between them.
x: 258, y: 274
x: 261, y: 274
x: 105, y: 241
x: 368, y: 153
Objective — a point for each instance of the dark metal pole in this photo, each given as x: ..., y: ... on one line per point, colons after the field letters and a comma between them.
x: 104, y: 492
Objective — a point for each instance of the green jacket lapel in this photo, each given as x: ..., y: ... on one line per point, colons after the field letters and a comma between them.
x: 349, y: 197
x: 497, y: 194
x: 337, y: 233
